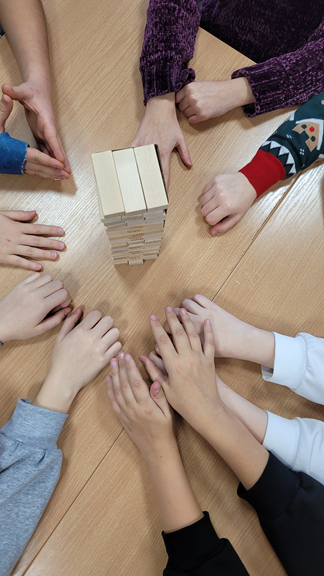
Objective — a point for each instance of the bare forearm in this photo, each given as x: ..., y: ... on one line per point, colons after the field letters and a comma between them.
x: 175, y: 500
x: 25, y: 26
x: 234, y: 443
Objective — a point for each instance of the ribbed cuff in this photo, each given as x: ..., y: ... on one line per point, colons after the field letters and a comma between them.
x: 183, y: 555
x: 281, y: 438
x: 268, y: 82
x: 12, y: 154
x: 164, y: 78
x: 34, y: 425
x: 273, y: 492
x: 290, y: 362
x: 263, y: 171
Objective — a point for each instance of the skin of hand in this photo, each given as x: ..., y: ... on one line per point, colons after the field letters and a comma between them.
x: 145, y: 414
x: 24, y: 311
x: 190, y: 386
x: 200, y: 101
x: 37, y: 163
x: 160, y: 126
x: 233, y: 338
x: 80, y: 352
x: 225, y: 200
x: 20, y: 239
x: 191, y: 389
x: 147, y: 418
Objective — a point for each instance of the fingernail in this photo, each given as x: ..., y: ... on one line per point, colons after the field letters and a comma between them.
x: 60, y: 231
x: 156, y: 387
x: 207, y: 322
x: 127, y: 357
x: 67, y: 311
x: 214, y: 232
x: 76, y: 311
x: 121, y: 355
x: 153, y: 317
x: 38, y: 266
x: 113, y: 363
x: 54, y: 255
x: 61, y: 245
x: 169, y: 309
x: 108, y: 378
x: 183, y: 311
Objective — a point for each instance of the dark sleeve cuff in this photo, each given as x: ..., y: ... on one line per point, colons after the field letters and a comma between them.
x: 273, y: 492
x: 263, y: 171
x: 12, y: 154
x: 190, y: 546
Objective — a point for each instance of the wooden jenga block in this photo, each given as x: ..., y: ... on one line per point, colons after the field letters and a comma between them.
x: 108, y: 188
x: 129, y: 181
x: 151, y: 177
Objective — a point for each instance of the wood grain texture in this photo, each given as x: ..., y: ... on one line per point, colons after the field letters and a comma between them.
x: 98, y: 104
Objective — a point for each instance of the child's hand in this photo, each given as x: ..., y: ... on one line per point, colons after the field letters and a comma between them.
x: 190, y: 386
x: 200, y: 101
x: 225, y: 200
x: 145, y: 415
x: 80, y: 353
x: 24, y: 311
x: 19, y: 239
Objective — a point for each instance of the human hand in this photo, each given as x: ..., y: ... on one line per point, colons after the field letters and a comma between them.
x: 37, y: 163
x: 24, y: 311
x: 145, y: 414
x: 160, y: 126
x: 190, y: 384
x: 80, y: 353
x: 20, y: 239
x: 200, y: 101
x: 40, y: 116
x: 225, y: 200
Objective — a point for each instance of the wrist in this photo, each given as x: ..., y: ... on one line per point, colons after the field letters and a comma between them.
x: 55, y: 395
x: 160, y: 452
x: 242, y: 92
x: 164, y: 104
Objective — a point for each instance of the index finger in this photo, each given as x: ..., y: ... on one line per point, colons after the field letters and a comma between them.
x: 162, y: 339
x: 42, y: 230
x: 38, y: 157
x: 180, y: 95
x: 179, y: 336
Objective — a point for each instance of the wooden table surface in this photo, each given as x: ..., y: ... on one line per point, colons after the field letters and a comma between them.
x: 102, y: 518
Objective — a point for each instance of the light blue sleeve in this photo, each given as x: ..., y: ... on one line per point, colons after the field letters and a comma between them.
x: 30, y: 464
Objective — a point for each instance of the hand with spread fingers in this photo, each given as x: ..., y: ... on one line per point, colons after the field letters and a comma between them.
x: 190, y: 386
x: 25, y: 310
x: 20, y: 239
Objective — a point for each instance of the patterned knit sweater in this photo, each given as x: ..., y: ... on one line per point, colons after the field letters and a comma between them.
x: 284, y: 37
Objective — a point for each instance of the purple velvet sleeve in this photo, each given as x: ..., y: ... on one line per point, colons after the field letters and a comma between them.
x: 169, y: 42
x: 287, y: 80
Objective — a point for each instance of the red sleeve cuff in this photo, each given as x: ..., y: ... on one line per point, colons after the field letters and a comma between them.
x: 264, y: 171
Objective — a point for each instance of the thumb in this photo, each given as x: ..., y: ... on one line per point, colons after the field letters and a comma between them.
x: 69, y: 324
x: 184, y: 152
x: 6, y: 105
x: 19, y: 215
x: 226, y: 224
x: 19, y: 93
x: 156, y: 392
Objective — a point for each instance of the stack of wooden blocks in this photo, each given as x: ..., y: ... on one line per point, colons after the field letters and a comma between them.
x: 132, y: 202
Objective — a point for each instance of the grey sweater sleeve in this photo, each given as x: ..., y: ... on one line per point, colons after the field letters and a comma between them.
x: 30, y: 464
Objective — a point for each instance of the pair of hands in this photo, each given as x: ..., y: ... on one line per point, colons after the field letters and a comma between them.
x: 188, y: 383
x: 50, y: 161
x: 81, y: 349
x: 226, y: 198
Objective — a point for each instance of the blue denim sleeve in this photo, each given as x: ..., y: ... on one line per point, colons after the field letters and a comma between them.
x: 12, y: 154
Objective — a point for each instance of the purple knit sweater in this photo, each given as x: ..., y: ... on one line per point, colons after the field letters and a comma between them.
x: 284, y: 37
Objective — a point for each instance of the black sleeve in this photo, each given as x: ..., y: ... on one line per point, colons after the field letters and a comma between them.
x: 290, y: 507
x: 197, y: 551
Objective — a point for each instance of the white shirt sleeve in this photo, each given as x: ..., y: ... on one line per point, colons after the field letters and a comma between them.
x: 298, y: 443
x: 299, y: 365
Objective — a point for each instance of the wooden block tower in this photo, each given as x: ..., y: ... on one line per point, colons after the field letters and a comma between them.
x: 132, y: 202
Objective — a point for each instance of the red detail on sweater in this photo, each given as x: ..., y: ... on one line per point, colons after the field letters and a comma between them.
x: 312, y: 129
x: 264, y: 171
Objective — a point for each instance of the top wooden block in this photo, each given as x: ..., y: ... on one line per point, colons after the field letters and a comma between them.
x: 109, y: 194
x: 151, y: 177
x: 129, y: 181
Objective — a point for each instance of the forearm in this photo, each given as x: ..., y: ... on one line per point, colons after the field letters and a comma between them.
x: 233, y: 442
x: 175, y: 500
x: 245, y: 342
x: 55, y: 395
x: 25, y: 27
